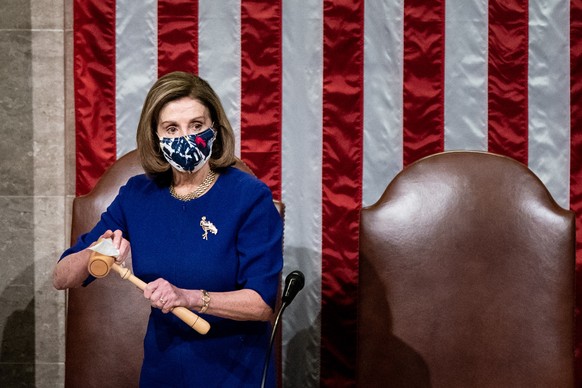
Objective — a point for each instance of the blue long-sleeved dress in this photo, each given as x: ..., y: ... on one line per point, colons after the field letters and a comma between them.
x: 243, y: 250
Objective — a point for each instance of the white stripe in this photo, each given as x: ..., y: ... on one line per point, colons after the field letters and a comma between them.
x: 136, y: 65
x: 219, y: 55
x: 549, y: 96
x: 383, y: 57
x: 301, y: 185
x: 466, y: 35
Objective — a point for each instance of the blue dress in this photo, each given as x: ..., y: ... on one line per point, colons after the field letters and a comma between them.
x: 243, y: 250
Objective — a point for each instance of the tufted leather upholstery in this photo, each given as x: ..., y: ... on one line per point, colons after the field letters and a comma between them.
x: 466, y: 278
x: 106, y: 321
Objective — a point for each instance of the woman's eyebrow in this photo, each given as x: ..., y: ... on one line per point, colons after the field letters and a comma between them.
x: 167, y: 122
x: 202, y: 118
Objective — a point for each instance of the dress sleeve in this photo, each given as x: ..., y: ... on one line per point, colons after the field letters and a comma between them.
x: 260, y: 246
x: 112, y: 219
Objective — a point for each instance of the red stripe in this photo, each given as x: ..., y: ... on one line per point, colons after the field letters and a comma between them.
x: 507, y: 78
x: 261, y: 88
x: 177, y: 36
x: 576, y: 160
x: 343, y: 52
x: 94, y: 77
x: 423, y: 76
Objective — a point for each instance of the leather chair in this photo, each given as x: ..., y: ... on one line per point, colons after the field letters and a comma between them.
x: 466, y: 278
x: 106, y: 321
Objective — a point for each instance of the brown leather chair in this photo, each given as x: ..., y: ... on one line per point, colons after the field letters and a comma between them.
x: 466, y: 278
x: 106, y: 321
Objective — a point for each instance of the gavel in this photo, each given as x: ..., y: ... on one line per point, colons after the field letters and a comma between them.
x: 100, y: 265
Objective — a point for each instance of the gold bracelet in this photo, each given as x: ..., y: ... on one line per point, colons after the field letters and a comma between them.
x: 205, y: 301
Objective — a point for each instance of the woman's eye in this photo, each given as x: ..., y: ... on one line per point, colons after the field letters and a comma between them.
x: 171, y: 129
x: 198, y: 127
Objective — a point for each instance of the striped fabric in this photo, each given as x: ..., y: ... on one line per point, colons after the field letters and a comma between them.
x: 329, y: 100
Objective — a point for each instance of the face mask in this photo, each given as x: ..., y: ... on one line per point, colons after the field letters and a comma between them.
x: 188, y: 153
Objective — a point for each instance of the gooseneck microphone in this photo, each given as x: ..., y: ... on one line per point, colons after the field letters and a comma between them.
x: 294, y: 282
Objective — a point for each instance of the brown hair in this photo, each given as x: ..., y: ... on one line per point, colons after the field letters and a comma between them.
x: 171, y: 87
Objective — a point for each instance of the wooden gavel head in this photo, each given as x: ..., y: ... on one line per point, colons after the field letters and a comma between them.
x: 99, y: 264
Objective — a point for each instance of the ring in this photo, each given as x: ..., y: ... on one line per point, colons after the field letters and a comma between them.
x: 162, y: 300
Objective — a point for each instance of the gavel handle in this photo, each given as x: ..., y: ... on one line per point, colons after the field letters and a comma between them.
x: 194, y: 321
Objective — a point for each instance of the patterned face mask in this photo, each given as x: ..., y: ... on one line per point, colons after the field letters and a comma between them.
x: 188, y: 153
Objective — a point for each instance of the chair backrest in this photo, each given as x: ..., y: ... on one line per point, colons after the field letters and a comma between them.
x: 106, y: 321
x: 466, y: 278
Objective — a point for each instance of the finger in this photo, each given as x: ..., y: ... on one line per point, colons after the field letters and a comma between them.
x: 149, y: 290
x: 122, y: 255
x: 167, y: 303
x: 159, y: 297
x: 164, y: 303
x: 155, y: 289
x: 106, y: 234
x: 155, y: 297
x: 120, y: 260
x: 117, y: 237
x: 124, y: 249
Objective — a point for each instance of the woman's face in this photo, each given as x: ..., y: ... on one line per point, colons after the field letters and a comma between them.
x: 182, y: 117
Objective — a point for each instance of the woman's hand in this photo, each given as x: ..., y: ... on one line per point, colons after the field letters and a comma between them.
x: 241, y: 305
x: 164, y: 295
x: 72, y: 271
x: 120, y: 243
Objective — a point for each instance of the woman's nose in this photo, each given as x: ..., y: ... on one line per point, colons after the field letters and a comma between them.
x: 185, y: 131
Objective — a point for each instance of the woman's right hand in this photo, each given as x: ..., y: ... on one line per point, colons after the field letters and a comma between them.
x: 120, y: 243
x: 72, y: 271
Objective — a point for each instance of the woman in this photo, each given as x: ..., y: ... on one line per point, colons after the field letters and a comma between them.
x: 204, y: 235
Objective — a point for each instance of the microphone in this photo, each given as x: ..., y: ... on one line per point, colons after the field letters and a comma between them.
x: 294, y: 282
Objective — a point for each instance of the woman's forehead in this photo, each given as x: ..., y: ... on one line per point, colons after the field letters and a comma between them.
x: 185, y: 106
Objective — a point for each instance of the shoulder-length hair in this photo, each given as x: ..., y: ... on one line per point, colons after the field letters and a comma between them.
x: 174, y: 86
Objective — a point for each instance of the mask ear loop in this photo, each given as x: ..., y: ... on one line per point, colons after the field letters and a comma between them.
x: 214, y: 131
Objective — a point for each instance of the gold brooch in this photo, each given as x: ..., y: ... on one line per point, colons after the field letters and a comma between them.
x: 207, y: 226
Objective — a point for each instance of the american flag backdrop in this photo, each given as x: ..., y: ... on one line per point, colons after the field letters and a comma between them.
x: 329, y: 100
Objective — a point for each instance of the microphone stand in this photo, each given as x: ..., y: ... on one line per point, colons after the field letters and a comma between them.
x: 273, y: 333
x: 294, y: 282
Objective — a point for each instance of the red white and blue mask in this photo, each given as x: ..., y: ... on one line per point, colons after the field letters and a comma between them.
x: 188, y: 153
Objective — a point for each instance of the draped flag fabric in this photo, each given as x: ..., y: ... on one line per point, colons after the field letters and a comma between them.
x: 329, y: 100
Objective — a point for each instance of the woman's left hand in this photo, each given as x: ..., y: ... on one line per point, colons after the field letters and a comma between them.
x: 164, y: 295
x: 240, y: 305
